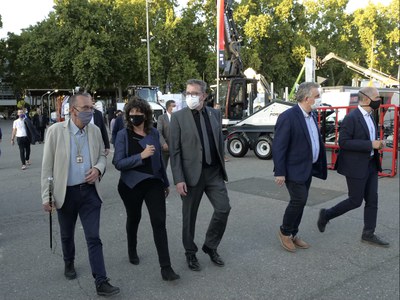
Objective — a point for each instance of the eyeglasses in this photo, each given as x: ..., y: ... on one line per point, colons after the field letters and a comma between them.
x: 192, y: 94
x: 84, y: 108
x: 377, y: 98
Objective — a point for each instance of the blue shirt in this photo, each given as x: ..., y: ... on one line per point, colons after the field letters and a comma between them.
x: 79, y: 146
x: 313, y: 132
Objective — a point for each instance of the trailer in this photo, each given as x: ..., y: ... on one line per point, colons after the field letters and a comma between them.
x: 256, y: 132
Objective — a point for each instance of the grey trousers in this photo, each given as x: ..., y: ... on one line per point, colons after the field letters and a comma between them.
x: 212, y: 183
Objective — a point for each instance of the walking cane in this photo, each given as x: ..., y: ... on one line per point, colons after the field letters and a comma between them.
x: 50, y: 179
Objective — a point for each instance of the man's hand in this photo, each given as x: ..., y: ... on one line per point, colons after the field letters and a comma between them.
x: 92, y: 175
x: 280, y: 180
x: 377, y: 145
x: 181, y: 188
x: 47, y: 207
x: 12, y: 142
x: 106, y: 151
x: 165, y: 147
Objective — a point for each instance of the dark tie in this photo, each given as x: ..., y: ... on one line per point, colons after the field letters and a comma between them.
x: 207, y: 153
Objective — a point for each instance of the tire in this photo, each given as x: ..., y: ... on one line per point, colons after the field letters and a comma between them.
x: 237, y: 146
x: 263, y: 147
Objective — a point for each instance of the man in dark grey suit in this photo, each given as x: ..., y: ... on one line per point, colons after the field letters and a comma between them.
x: 197, y: 162
x: 163, y: 129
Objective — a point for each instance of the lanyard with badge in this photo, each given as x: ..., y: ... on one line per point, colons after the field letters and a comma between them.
x: 79, y: 146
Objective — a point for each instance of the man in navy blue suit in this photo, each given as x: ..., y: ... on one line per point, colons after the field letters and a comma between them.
x: 358, y: 160
x: 298, y: 153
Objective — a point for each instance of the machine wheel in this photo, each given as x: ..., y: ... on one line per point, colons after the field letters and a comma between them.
x: 237, y: 146
x: 263, y: 147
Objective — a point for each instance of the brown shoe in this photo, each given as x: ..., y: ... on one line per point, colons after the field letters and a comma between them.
x: 299, y: 243
x: 286, y: 242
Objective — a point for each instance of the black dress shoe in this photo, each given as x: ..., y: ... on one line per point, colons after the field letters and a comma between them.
x: 106, y: 289
x: 134, y: 259
x: 192, y: 262
x: 373, y: 239
x: 322, y: 220
x: 168, y: 274
x: 214, y: 256
x: 69, y: 270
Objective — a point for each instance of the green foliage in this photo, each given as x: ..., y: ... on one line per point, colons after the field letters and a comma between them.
x: 97, y: 43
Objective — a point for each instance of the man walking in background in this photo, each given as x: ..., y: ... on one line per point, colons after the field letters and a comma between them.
x: 163, y: 128
x: 19, y: 131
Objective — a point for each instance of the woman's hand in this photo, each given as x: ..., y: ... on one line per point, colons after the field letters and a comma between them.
x: 148, y: 151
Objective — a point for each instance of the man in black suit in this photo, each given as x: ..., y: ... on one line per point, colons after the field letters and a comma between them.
x: 197, y: 162
x: 298, y: 153
x: 359, y: 161
x: 98, y: 120
x: 118, y: 125
x: 163, y: 128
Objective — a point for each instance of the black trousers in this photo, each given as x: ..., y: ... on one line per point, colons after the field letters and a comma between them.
x: 41, y: 132
x: 24, y: 148
x: 294, y: 211
x: 212, y: 183
x: 153, y: 193
x: 359, y: 190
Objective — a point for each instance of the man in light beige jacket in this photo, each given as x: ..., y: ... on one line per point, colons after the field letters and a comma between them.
x: 74, y: 158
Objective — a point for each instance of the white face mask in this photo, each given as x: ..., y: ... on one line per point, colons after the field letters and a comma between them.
x: 317, y: 103
x: 174, y: 109
x: 193, y: 102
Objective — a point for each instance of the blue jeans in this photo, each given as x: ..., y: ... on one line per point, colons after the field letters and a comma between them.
x: 83, y: 200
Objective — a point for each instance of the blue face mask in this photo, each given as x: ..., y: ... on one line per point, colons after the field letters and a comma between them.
x: 21, y: 116
x: 85, y: 117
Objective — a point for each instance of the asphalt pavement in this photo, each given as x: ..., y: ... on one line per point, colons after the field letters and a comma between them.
x: 337, y: 266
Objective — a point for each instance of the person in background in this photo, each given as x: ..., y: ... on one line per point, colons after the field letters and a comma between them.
x: 19, y: 131
x: 163, y: 129
x: 137, y: 155
x: 98, y: 120
x: 298, y: 154
x: 74, y: 157
x: 40, y: 121
x: 197, y: 162
x: 118, y: 125
x: 110, y: 114
x: 112, y: 122
x: 359, y: 161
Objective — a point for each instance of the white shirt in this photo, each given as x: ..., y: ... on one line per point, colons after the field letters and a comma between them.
x: 169, y: 116
x: 370, y: 124
x: 21, y: 129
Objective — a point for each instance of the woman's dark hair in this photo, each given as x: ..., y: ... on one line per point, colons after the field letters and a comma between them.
x: 143, y: 107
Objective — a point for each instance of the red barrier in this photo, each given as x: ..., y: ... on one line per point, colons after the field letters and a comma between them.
x: 330, y: 132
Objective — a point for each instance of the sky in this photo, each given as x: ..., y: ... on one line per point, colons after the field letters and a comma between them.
x: 19, y: 14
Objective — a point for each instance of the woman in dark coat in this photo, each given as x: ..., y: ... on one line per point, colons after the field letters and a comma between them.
x: 137, y: 155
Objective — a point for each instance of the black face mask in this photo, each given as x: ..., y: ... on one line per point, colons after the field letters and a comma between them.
x: 136, y: 120
x: 374, y: 104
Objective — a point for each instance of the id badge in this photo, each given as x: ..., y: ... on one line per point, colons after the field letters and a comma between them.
x: 79, y: 159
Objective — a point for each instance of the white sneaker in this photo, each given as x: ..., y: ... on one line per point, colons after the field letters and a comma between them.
x: 23, y: 167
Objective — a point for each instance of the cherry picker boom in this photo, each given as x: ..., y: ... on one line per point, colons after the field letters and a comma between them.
x: 236, y: 92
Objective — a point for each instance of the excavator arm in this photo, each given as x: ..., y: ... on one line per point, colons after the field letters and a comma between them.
x: 386, y: 79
